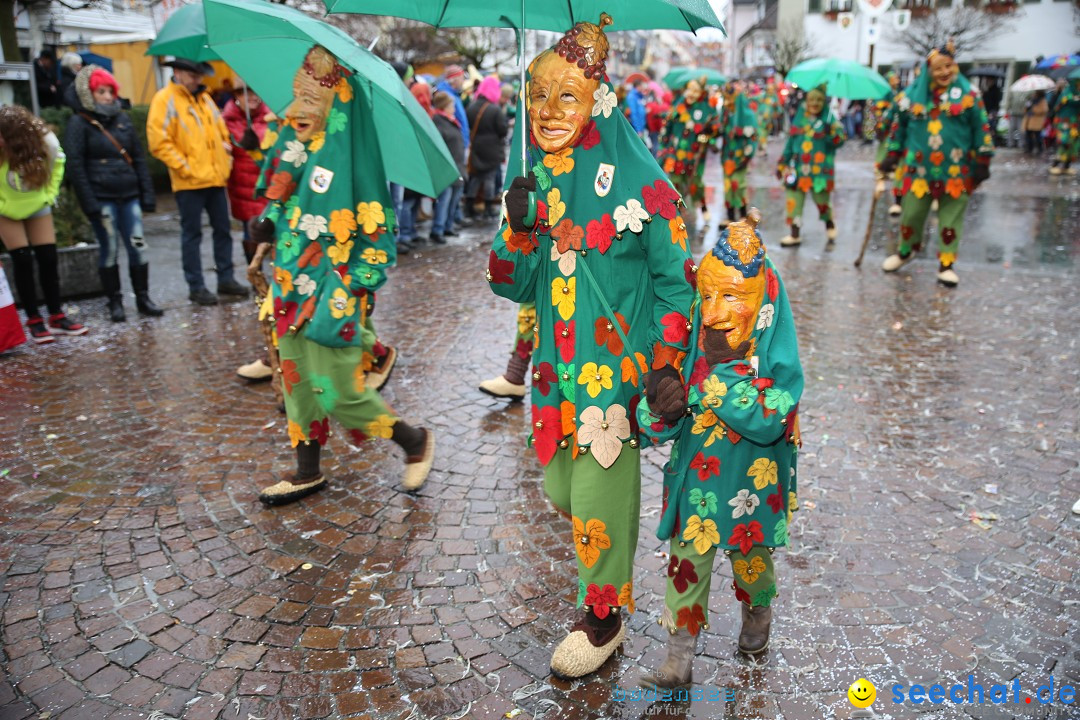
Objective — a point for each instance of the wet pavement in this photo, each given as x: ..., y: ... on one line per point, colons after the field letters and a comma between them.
x: 141, y: 578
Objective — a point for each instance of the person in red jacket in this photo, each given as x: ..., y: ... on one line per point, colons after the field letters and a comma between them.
x: 245, y: 116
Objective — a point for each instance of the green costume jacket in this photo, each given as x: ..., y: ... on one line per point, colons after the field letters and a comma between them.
x: 609, y: 236
x: 940, y: 136
x: 1067, y: 121
x: 687, y: 135
x: 739, y: 129
x: 809, y: 156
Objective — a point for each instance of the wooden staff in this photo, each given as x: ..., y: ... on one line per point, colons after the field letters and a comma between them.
x: 262, y: 289
x: 869, y: 225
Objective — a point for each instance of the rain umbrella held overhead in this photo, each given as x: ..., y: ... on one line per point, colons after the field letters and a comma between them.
x: 986, y: 71
x: 1032, y: 83
x: 679, y: 76
x: 184, y: 35
x: 246, y: 33
x: 842, y: 78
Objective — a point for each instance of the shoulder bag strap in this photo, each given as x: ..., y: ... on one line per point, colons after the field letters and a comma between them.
x: 93, y: 121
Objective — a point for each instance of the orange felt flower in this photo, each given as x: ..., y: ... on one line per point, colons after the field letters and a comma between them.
x: 955, y: 187
x: 560, y: 162
x: 342, y: 224
x: 518, y: 242
x: 937, y: 157
x: 281, y: 186
x: 806, y: 184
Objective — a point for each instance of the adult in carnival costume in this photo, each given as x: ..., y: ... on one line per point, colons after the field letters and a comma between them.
x: 807, y: 163
x: 692, y: 126
x: 739, y: 129
x: 606, y: 263
x: 880, y: 115
x: 330, y: 221
x: 730, y: 483
x: 1067, y: 129
x: 942, y: 135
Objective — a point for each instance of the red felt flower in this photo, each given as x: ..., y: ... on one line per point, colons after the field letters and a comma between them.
x: 602, y: 599
x: 676, y: 331
x: 772, y: 284
x: 524, y: 348
x: 289, y: 374
x: 590, y: 136
x: 500, y: 270
x: 284, y: 315
x: 745, y: 535
x: 775, y: 501
x: 906, y: 231
x: 567, y: 235
x: 660, y: 198
x: 547, y: 376
x: 319, y: 431
x: 547, y: 431
x: 743, y: 369
x: 691, y: 618
x: 564, y: 339
x: 347, y: 331
x: 357, y: 436
x: 606, y: 334
x: 682, y: 573
x: 700, y: 372
x: 762, y: 383
x: 706, y: 466
x: 740, y: 594
x: 600, y: 233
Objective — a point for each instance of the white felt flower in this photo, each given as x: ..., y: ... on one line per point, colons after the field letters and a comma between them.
x: 567, y: 260
x: 312, y: 225
x: 743, y: 503
x: 765, y: 316
x: 935, y: 141
x: 604, y: 100
x: 630, y: 216
x: 304, y: 284
x: 604, y: 432
x: 294, y: 153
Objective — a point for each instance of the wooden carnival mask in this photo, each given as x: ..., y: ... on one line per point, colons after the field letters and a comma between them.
x: 942, y: 65
x: 815, y: 102
x: 731, y: 281
x: 693, y: 92
x: 563, y: 83
x: 313, y: 93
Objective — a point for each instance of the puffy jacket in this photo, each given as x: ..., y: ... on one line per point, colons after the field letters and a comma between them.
x: 245, y: 169
x: 186, y: 132
x: 19, y: 203
x: 96, y: 170
x: 488, y: 147
x: 451, y: 135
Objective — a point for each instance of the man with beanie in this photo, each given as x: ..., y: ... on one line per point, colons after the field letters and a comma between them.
x: 186, y: 132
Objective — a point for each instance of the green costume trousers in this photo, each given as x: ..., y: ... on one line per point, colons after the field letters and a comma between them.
x: 735, y: 188
x: 795, y: 200
x: 606, y: 508
x: 321, y: 382
x: 690, y: 579
x: 914, y: 211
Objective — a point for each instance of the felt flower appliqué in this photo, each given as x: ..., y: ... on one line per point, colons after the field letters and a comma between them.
x: 702, y: 533
x: 744, y: 503
x: 294, y: 153
x: 604, y: 100
x: 765, y: 316
x: 604, y: 432
x: 312, y: 225
x: 749, y: 571
x: 630, y: 216
x: 763, y: 471
x: 369, y: 216
x: 595, y: 378
x: 342, y: 304
x: 589, y: 540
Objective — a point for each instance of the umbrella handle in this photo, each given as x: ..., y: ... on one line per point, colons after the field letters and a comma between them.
x: 530, y: 215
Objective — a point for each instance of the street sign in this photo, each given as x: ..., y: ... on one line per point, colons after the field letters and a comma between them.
x: 15, y: 71
x: 874, y: 8
x: 873, y: 33
x: 901, y: 19
x: 845, y: 20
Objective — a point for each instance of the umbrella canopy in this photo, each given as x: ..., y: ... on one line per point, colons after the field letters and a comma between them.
x: 1057, y: 61
x: 540, y: 15
x: 1031, y: 83
x: 1074, y: 75
x: 245, y: 33
x: 842, y: 78
x: 636, y: 77
x: 680, y: 75
x: 986, y: 71
x: 184, y: 36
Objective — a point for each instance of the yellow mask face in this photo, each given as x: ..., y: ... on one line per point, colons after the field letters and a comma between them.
x: 729, y: 301
x: 560, y: 102
x: 311, y: 100
x: 693, y: 92
x: 815, y: 102
x: 943, y: 70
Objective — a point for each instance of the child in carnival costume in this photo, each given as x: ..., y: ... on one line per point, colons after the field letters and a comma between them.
x: 607, y: 266
x: 1067, y: 129
x: 330, y: 221
x: 730, y: 484
x: 739, y: 130
x: 881, y: 114
x: 807, y: 163
x: 691, y: 127
x: 941, y: 133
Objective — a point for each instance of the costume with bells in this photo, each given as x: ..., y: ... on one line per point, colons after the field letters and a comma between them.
x: 942, y: 135
x: 330, y: 220
x: 607, y: 267
x: 739, y: 129
x: 1067, y: 129
x: 730, y: 483
x: 807, y: 163
x: 880, y: 116
x: 692, y: 126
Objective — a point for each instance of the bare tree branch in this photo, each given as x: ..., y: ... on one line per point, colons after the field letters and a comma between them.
x: 969, y: 27
x: 791, y: 47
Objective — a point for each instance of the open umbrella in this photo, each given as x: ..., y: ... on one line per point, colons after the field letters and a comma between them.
x: 184, y: 35
x: 679, y: 76
x: 1074, y: 75
x: 842, y: 78
x: 265, y: 42
x: 1056, y: 61
x: 1031, y: 83
x: 986, y: 71
x: 636, y: 77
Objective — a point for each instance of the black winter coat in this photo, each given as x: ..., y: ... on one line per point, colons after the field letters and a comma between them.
x: 488, y: 140
x: 95, y: 168
x: 455, y: 143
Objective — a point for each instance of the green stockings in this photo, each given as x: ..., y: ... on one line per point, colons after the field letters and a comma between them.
x: 689, y: 578
x: 796, y: 199
x: 950, y: 217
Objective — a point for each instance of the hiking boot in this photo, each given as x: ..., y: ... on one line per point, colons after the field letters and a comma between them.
x: 202, y: 297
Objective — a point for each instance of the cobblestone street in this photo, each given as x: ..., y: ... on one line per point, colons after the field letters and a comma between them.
x: 141, y: 578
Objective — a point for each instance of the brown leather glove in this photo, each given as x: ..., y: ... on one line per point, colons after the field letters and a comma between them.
x: 261, y: 231
x: 665, y: 394
x: 717, y: 349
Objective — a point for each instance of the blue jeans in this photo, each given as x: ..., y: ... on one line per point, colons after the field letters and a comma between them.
x: 397, y: 195
x: 407, y: 220
x: 445, y: 204
x: 191, y: 204
x: 120, y: 219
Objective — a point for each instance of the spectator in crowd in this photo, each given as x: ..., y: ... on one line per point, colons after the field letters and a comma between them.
x: 107, y: 169
x: 442, y: 225
x: 452, y: 83
x: 185, y: 131
x: 992, y: 100
x: 410, y: 199
x: 1035, y: 112
x: 1016, y: 106
x: 488, y: 130
x: 32, y: 162
x: 70, y: 65
x: 48, y: 91
x: 245, y: 118
x: 635, y: 107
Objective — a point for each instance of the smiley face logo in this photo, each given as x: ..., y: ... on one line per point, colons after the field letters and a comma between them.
x: 862, y: 693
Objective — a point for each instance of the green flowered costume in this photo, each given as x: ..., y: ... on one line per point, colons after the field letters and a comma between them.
x: 1067, y: 124
x: 334, y: 224
x: 731, y: 482
x: 941, y: 136
x: 605, y: 209
x: 808, y: 160
x: 739, y: 128
x: 687, y: 135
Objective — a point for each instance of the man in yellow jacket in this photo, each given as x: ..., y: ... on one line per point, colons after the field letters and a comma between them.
x: 186, y: 132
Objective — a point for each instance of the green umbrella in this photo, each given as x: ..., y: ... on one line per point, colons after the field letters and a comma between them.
x: 184, y: 35
x: 265, y: 43
x: 679, y: 76
x: 842, y: 78
x: 1074, y: 75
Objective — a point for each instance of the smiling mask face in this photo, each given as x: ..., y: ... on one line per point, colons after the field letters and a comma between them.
x: 943, y: 70
x: 311, y: 97
x: 560, y: 102
x: 729, y: 301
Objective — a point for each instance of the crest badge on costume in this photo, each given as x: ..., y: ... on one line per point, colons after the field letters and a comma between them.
x: 604, y: 175
x: 321, y: 179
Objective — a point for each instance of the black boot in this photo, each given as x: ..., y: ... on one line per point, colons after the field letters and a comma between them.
x: 48, y: 267
x: 110, y: 282
x: 22, y: 261
x: 140, y: 283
